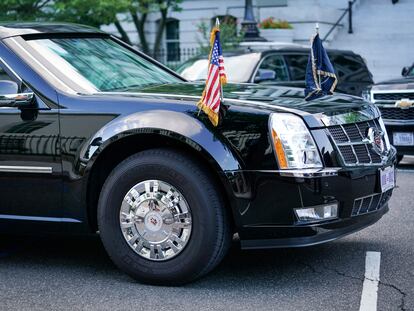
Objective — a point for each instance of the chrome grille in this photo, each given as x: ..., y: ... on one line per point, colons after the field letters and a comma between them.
x: 392, y: 113
x: 349, y: 141
x: 370, y: 203
x: 393, y: 96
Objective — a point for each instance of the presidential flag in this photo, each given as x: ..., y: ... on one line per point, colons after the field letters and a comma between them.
x: 320, y: 74
x: 216, y: 78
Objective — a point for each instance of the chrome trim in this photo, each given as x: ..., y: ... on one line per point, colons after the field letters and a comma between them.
x: 14, y: 99
x: 301, y: 173
x: 371, y: 198
x: 388, y: 105
x: 155, y: 220
x: 313, y: 221
x: 38, y: 218
x: 26, y: 169
x: 10, y: 69
x: 398, y: 122
x: 310, y: 172
x: 364, y: 142
x: 387, y: 92
x: 349, y: 144
x: 392, y: 91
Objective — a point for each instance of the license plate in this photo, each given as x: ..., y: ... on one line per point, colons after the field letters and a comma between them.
x: 387, y: 178
x: 403, y: 139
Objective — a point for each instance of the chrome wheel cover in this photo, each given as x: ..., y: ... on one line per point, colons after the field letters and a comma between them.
x: 155, y: 220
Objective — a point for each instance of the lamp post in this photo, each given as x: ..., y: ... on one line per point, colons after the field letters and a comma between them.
x: 249, y: 25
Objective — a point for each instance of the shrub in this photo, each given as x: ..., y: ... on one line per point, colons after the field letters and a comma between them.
x: 271, y: 23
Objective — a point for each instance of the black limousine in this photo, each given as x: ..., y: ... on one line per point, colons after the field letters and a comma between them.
x: 96, y: 137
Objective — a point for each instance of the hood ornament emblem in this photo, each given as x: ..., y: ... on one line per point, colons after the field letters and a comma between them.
x: 375, y: 137
x: 404, y: 103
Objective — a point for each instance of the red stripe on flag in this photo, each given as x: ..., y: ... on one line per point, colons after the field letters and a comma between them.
x: 212, y: 103
x: 211, y: 83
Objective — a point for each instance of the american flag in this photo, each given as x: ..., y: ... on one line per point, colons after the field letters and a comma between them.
x: 216, y: 77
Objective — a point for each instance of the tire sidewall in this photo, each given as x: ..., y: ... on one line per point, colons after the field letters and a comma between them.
x: 196, y: 191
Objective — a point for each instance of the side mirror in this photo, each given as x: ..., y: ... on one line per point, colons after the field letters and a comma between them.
x: 404, y: 71
x: 10, y: 96
x: 265, y: 75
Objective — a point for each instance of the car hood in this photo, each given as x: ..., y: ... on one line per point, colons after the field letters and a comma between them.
x: 327, y: 110
x: 406, y: 83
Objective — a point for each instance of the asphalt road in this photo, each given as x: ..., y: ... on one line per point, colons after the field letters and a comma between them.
x: 75, y: 273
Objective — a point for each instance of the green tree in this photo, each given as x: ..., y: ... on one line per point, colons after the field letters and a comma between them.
x: 104, y: 12
x: 138, y: 13
x: 25, y: 10
x: 229, y: 37
x: 95, y: 13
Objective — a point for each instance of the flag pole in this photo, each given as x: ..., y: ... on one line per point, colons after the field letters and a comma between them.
x: 319, y: 75
x: 221, y: 86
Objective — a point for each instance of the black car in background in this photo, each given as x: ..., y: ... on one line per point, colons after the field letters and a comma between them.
x: 395, y: 99
x: 284, y: 65
x: 96, y: 137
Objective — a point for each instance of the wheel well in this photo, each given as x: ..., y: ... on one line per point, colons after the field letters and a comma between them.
x: 118, y: 151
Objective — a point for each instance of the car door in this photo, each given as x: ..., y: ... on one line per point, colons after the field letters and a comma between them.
x: 30, y: 162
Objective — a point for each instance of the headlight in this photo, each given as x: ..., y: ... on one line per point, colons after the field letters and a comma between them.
x: 293, y: 143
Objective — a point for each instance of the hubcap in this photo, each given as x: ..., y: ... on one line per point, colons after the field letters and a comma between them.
x: 155, y: 220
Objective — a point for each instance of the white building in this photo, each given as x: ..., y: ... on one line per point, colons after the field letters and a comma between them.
x: 182, y: 26
x: 383, y: 32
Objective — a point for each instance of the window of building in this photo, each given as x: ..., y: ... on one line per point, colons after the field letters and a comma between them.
x: 172, y: 40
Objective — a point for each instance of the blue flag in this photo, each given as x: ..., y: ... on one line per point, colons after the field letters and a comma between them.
x: 320, y: 74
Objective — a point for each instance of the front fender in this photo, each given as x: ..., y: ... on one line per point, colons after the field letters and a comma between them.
x: 173, y: 124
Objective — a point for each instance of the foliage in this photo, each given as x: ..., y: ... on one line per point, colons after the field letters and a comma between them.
x: 95, y: 13
x: 229, y: 38
x: 90, y: 12
x: 138, y: 12
x: 25, y: 10
x: 271, y: 23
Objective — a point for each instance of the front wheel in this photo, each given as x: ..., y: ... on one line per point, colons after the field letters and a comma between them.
x: 162, y: 219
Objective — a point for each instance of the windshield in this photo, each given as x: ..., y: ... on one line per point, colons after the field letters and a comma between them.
x: 98, y: 64
x: 238, y: 68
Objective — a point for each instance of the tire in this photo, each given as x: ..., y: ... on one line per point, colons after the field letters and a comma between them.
x: 209, y: 238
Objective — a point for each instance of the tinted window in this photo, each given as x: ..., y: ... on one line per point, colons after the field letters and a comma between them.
x: 278, y: 65
x: 350, y: 68
x: 297, y: 66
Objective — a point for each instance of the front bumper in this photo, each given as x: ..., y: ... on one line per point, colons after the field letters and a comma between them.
x: 265, y: 217
x: 313, y: 235
x: 394, y: 126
